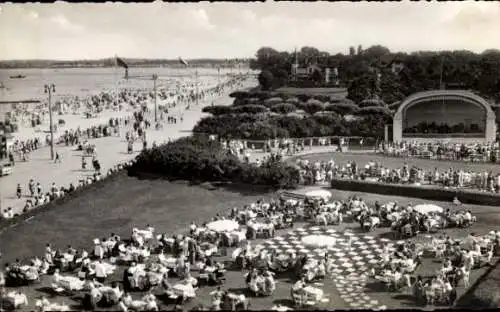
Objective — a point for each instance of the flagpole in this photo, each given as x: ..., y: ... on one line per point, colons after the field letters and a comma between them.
x: 155, y: 77
x: 197, y: 91
x: 441, y: 74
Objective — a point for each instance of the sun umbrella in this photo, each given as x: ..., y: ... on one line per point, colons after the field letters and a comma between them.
x: 427, y: 208
x: 319, y: 194
x: 223, y: 226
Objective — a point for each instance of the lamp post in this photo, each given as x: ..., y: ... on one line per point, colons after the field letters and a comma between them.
x: 197, y: 91
x: 50, y: 88
x: 155, y: 77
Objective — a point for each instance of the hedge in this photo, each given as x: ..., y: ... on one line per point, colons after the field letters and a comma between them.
x: 217, y: 110
x: 202, y: 160
x: 263, y: 127
x: 424, y: 192
x: 283, y: 108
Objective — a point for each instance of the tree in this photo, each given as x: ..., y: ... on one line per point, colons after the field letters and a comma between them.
x: 317, y: 76
x: 352, y: 51
x: 266, y: 80
x: 360, y: 49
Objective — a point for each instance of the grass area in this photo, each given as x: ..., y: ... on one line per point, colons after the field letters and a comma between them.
x: 362, y: 159
x: 126, y: 202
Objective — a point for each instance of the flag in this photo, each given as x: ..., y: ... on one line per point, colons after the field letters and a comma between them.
x: 121, y: 63
x: 183, y: 62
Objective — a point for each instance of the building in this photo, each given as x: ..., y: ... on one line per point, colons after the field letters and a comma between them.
x: 397, y: 67
x: 444, y: 115
x: 331, y: 75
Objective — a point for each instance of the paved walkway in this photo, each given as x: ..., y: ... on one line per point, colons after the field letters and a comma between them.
x: 110, y: 151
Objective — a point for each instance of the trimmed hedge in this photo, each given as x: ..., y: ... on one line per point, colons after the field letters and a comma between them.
x: 427, y: 192
x: 217, y: 110
x: 202, y: 160
x: 262, y: 127
x: 283, y: 108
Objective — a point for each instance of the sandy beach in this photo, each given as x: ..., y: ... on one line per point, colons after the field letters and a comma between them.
x: 110, y: 151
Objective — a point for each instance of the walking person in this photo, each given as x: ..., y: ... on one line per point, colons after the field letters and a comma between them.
x: 19, y: 191
x: 57, y: 158
x: 31, y: 187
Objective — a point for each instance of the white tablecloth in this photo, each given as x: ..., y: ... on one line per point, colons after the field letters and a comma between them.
x: 223, y: 226
x: 315, y: 293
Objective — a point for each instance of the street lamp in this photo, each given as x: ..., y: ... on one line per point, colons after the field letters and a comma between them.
x: 155, y: 77
x: 50, y: 88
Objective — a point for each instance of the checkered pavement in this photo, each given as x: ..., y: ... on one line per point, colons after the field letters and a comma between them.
x: 356, y: 257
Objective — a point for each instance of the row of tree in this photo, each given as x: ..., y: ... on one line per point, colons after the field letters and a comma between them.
x: 368, y: 73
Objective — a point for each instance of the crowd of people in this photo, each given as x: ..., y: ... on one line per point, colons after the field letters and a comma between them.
x: 477, y: 152
x: 324, y: 172
x: 165, y: 263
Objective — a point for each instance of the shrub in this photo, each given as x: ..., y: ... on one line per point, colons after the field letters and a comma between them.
x: 395, y: 105
x: 293, y: 100
x: 217, y: 110
x: 199, y: 159
x: 313, y: 106
x: 372, y: 103
x: 239, y: 94
x: 272, y: 101
x: 283, y: 108
x: 266, y: 79
x: 374, y: 110
x: 342, y: 109
x: 250, y: 109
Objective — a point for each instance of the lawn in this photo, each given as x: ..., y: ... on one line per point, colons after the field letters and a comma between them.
x: 126, y: 202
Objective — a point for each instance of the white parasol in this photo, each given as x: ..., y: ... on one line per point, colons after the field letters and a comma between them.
x: 319, y: 241
x: 427, y: 208
x: 223, y: 226
x: 319, y: 194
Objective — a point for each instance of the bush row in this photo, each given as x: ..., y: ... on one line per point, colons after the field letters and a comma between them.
x: 430, y: 192
x: 265, y: 126
x: 199, y: 159
x: 287, y: 108
x: 260, y: 96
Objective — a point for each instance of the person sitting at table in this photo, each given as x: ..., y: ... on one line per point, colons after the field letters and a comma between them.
x: 191, y: 280
x: 151, y: 304
x: 121, y: 304
x: 100, y: 271
x: 321, y: 269
x: 165, y: 283
x: 269, y: 284
x: 217, y: 296
x: 115, y: 294
x: 131, y: 277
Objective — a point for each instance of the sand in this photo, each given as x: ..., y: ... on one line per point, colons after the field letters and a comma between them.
x: 110, y: 151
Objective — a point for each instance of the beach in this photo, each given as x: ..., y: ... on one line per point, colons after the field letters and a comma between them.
x: 110, y: 150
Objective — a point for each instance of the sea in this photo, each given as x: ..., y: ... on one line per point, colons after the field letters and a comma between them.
x: 86, y: 81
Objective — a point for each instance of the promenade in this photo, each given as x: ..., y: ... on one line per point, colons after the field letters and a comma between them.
x: 110, y: 151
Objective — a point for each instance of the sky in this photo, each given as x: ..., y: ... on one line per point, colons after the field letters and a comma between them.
x: 66, y: 31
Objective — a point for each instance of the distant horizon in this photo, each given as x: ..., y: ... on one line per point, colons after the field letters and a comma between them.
x: 85, y: 31
x: 228, y: 58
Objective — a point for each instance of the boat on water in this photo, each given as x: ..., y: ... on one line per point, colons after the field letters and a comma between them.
x: 18, y: 77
